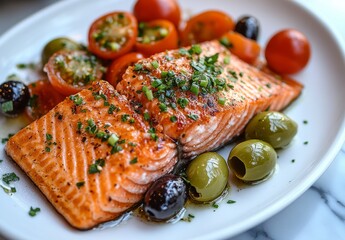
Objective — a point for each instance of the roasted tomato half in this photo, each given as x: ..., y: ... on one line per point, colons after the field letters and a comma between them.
x: 148, y: 10
x: 246, y: 49
x: 43, y: 98
x: 206, y: 26
x: 156, y: 36
x: 71, y: 71
x: 113, y: 35
x: 118, y: 67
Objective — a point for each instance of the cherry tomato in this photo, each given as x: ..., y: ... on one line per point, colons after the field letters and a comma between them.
x: 43, y: 98
x: 148, y: 10
x: 118, y: 67
x: 287, y: 52
x: 156, y: 36
x: 206, y: 26
x: 113, y: 35
x: 246, y: 49
x: 71, y: 71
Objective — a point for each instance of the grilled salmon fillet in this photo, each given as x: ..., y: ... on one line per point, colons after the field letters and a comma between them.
x: 92, y: 156
x: 202, y: 96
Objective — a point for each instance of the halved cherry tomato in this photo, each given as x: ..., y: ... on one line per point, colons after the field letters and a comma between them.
x: 43, y: 98
x: 287, y: 52
x: 246, y: 49
x: 71, y: 71
x: 118, y: 67
x: 206, y: 26
x: 156, y: 36
x: 148, y: 10
x: 113, y: 35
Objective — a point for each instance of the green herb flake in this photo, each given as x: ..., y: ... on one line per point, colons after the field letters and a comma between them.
x: 77, y: 100
x: 5, y: 140
x: 173, y: 119
x: 113, y: 139
x: 306, y: 143
x: 10, y: 177
x: 148, y: 93
x: 49, y: 137
x: 226, y: 60
x: 124, y: 117
x: 33, y: 211
x: 47, y: 149
x: 163, y: 107
x: 215, y: 205
x: 231, y: 202
x: 225, y: 42
x: 1, y: 160
x: 193, y: 116
x: 293, y: 160
x: 111, y: 109
x: 116, y: 149
x: 183, y: 102
x: 133, y: 161
x: 305, y: 121
x: 138, y: 67
x: 97, y: 166
x: 195, y: 49
x: 155, y: 64
x: 146, y: 116
x: 221, y: 101
x: 80, y: 184
x: 7, y: 106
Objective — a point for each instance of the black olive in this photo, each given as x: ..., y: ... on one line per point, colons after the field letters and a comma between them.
x: 165, y: 198
x: 248, y: 26
x: 14, y: 97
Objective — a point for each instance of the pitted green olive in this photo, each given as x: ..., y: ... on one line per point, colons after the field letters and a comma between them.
x: 273, y: 127
x: 252, y: 160
x: 58, y: 44
x: 208, y: 176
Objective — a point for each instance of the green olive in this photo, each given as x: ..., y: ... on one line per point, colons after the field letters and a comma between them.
x: 273, y: 127
x: 58, y: 44
x: 252, y: 160
x: 208, y: 176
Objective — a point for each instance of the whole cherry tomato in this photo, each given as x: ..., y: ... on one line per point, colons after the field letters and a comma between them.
x: 148, y: 10
x: 287, y: 52
x: 206, y: 26
x: 71, y: 71
x: 246, y: 49
x: 156, y: 36
x: 113, y: 35
x: 118, y: 67
x: 43, y: 98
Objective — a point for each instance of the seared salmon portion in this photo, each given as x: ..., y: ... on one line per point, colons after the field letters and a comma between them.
x: 92, y: 156
x: 203, y: 96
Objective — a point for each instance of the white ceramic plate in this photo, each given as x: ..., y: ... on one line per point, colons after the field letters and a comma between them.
x: 321, y: 104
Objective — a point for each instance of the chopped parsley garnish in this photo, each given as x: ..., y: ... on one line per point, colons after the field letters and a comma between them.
x: 173, y: 118
x: 306, y: 142
x: 116, y: 149
x: 133, y: 161
x: 77, y: 99
x: 305, y: 122
x: 230, y: 202
x: 138, y: 67
x: 193, y: 116
x: 148, y: 93
x: 113, y: 139
x: 155, y: 64
x: 33, y: 211
x: 183, y: 102
x: 9, y: 178
x: 4, y: 140
x: 8, y: 190
x: 124, y: 117
x: 97, y: 166
x: 111, y: 109
x: 153, y: 134
x: 215, y: 205
x: 221, y: 101
x: 146, y: 116
x: 79, y: 126
x: 47, y: 149
x: 80, y: 184
x: 293, y: 160
x: 225, y: 42
x: 26, y: 65
x: 49, y: 137
x: 7, y: 106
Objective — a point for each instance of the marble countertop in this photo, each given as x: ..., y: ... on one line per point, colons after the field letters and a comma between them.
x: 320, y: 212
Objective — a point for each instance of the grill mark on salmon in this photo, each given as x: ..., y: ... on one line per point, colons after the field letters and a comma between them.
x: 252, y: 91
x: 57, y: 156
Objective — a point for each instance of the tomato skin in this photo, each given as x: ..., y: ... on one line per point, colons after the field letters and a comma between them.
x: 244, y: 48
x: 206, y: 26
x: 43, y: 98
x: 149, y: 10
x: 130, y: 31
x: 57, y: 78
x: 170, y: 41
x: 118, y: 67
x: 287, y: 52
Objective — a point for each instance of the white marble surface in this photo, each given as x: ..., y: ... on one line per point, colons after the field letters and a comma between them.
x: 320, y: 212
